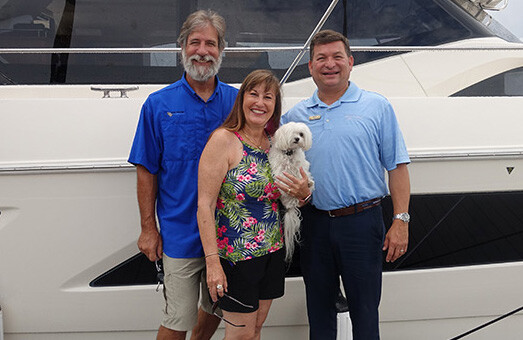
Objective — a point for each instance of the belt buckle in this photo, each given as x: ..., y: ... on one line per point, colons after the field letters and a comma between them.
x: 330, y: 214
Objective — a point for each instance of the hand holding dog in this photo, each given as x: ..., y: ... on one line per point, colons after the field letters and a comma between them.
x: 296, y: 187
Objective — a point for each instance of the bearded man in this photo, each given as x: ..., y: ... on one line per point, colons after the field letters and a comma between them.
x: 175, y: 123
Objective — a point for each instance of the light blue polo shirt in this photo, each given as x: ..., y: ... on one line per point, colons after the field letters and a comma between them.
x: 172, y: 131
x: 354, y: 141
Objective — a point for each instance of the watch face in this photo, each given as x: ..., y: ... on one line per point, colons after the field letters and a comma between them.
x: 405, y: 217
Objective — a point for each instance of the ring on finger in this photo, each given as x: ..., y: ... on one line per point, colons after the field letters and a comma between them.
x: 219, y: 287
x: 402, y: 250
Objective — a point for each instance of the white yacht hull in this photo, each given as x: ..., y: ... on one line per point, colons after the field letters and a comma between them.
x: 69, y: 213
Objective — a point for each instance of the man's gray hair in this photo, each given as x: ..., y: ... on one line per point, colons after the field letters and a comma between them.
x: 200, y: 19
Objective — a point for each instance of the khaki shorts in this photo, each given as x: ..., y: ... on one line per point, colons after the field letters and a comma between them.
x: 182, y: 283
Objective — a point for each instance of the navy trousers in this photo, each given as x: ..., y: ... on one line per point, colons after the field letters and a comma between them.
x: 350, y: 247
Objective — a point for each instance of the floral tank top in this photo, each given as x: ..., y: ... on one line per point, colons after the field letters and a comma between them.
x: 247, y: 214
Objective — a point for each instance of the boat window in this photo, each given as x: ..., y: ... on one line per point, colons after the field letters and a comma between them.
x: 506, y: 84
x: 446, y: 230
x: 254, y: 23
x: 462, y: 229
x: 402, y: 22
x: 137, y: 270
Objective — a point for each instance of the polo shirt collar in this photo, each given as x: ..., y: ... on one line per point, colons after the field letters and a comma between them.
x: 190, y: 89
x: 352, y: 94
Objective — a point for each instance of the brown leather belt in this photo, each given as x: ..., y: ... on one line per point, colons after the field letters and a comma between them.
x: 358, y: 207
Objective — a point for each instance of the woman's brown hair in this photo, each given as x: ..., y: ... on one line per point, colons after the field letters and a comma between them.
x: 236, y: 119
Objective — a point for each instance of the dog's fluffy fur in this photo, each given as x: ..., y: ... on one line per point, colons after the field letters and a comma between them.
x: 287, y: 155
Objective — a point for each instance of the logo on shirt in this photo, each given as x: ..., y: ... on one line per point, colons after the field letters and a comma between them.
x: 174, y: 113
x: 314, y: 117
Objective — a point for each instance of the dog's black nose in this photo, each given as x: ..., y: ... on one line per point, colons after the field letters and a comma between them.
x: 296, y: 140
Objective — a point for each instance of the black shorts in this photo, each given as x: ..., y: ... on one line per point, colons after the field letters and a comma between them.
x: 248, y: 281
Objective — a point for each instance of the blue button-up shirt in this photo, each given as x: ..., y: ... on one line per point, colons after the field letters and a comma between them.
x: 353, y: 141
x: 173, y: 129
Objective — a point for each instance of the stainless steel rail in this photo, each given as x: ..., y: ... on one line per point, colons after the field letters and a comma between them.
x: 66, y: 167
x: 308, y: 42
x: 122, y: 165
x: 459, y: 155
x: 514, y: 47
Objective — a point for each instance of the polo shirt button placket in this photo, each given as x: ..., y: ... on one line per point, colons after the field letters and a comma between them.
x: 328, y: 124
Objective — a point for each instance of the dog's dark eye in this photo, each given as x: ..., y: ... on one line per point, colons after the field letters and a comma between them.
x: 301, y: 134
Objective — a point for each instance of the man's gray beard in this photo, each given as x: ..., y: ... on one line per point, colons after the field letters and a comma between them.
x: 201, y: 73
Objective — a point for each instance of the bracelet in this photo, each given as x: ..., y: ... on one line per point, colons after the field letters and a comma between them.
x: 306, y: 199
x: 211, y: 254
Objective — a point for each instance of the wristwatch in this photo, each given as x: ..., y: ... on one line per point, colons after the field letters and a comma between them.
x: 405, y: 217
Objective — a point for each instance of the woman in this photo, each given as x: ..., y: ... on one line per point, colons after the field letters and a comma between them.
x: 238, y: 213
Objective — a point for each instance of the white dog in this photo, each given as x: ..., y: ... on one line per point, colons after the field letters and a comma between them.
x: 287, y: 155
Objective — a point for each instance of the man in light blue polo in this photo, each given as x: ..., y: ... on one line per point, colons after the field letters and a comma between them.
x: 173, y: 129
x: 356, y: 139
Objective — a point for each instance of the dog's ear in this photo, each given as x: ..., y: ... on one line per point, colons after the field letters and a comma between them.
x: 307, y: 137
x: 278, y: 139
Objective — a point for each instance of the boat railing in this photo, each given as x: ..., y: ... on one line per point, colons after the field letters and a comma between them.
x: 138, y: 50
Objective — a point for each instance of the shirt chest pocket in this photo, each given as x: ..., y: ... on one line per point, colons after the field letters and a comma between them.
x: 178, y: 129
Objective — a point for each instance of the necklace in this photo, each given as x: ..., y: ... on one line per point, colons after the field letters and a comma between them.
x: 256, y: 144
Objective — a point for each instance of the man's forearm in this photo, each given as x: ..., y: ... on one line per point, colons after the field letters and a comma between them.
x: 399, y: 186
x: 147, y: 188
